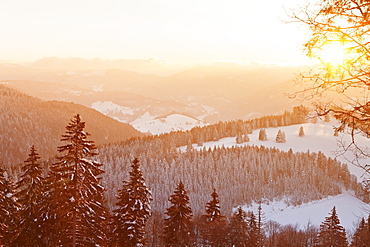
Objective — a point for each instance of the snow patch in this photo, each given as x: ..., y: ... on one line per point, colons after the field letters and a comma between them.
x: 97, y: 88
x: 77, y: 93
x: 151, y: 124
x: 113, y: 110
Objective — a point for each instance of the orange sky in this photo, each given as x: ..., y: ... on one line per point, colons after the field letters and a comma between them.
x: 189, y: 31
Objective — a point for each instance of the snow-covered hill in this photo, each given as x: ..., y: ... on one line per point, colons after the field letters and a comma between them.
x: 318, y: 137
x: 157, y: 125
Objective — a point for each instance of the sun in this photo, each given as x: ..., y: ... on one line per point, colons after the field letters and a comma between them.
x: 333, y: 53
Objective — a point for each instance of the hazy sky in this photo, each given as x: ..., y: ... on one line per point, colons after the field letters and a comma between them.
x: 181, y: 31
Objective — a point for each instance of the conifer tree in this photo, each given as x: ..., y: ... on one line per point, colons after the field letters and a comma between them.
x: 259, y: 226
x: 213, y: 223
x: 280, y: 137
x: 239, y: 138
x: 31, y: 198
x: 8, y: 210
x: 238, y: 229
x: 133, y: 210
x: 361, y: 238
x: 301, y: 132
x: 253, y: 231
x: 262, y: 136
x: 76, y: 212
x: 178, y: 226
x: 331, y: 232
x: 246, y: 138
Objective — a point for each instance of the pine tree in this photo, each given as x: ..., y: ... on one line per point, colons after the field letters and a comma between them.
x: 246, y: 138
x: 8, y: 210
x: 301, y: 132
x: 133, y: 210
x: 76, y: 212
x: 31, y: 198
x: 239, y: 138
x: 361, y: 238
x: 253, y: 231
x: 259, y: 226
x: 238, y: 229
x: 331, y: 232
x: 213, y: 224
x: 280, y: 137
x: 262, y: 136
x: 178, y: 226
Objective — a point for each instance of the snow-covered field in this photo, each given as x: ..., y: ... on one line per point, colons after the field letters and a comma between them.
x: 318, y: 137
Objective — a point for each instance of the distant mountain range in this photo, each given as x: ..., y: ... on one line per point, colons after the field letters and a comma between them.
x: 27, y: 121
x: 208, y: 93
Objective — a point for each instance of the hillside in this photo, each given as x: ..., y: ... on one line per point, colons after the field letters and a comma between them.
x: 26, y: 121
x: 318, y: 138
x: 207, y: 92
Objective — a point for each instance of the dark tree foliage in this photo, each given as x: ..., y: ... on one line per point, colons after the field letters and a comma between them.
x: 238, y: 229
x: 331, y: 232
x: 8, y: 210
x: 31, y: 198
x: 244, y: 229
x: 213, y: 223
x: 361, y: 238
x: 133, y: 210
x: 76, y: 213
x: 178, y: 227
x: 253, y: 231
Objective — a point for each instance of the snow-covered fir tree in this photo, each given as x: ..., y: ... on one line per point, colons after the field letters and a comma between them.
x: 133, y: 210
x: 301, y: 132
x: 361, y: 237
x: 262, y: 136
x: 331, y: 232
x: 178, y: 227
x: 31, y: 198
x: 280, y: 137
x: 246, y: 138
x: 239, y: 138
x: 76, y: 212
x: 213, y: 223
x: 237, y: 234
x: 8, y: 210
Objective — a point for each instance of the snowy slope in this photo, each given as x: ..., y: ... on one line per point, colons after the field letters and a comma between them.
x: 173, y: 122
x: 349, y: 209
x: 117, y: 112
x: 318, y: 137
x: 144, y: 121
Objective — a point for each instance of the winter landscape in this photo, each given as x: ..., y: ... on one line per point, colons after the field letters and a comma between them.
x: 178, y: 124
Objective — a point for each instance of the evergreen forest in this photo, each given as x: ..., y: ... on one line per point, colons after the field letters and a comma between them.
x: 145, y: 191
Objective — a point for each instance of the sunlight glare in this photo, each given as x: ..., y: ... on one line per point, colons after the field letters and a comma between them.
x: 333, y: 53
